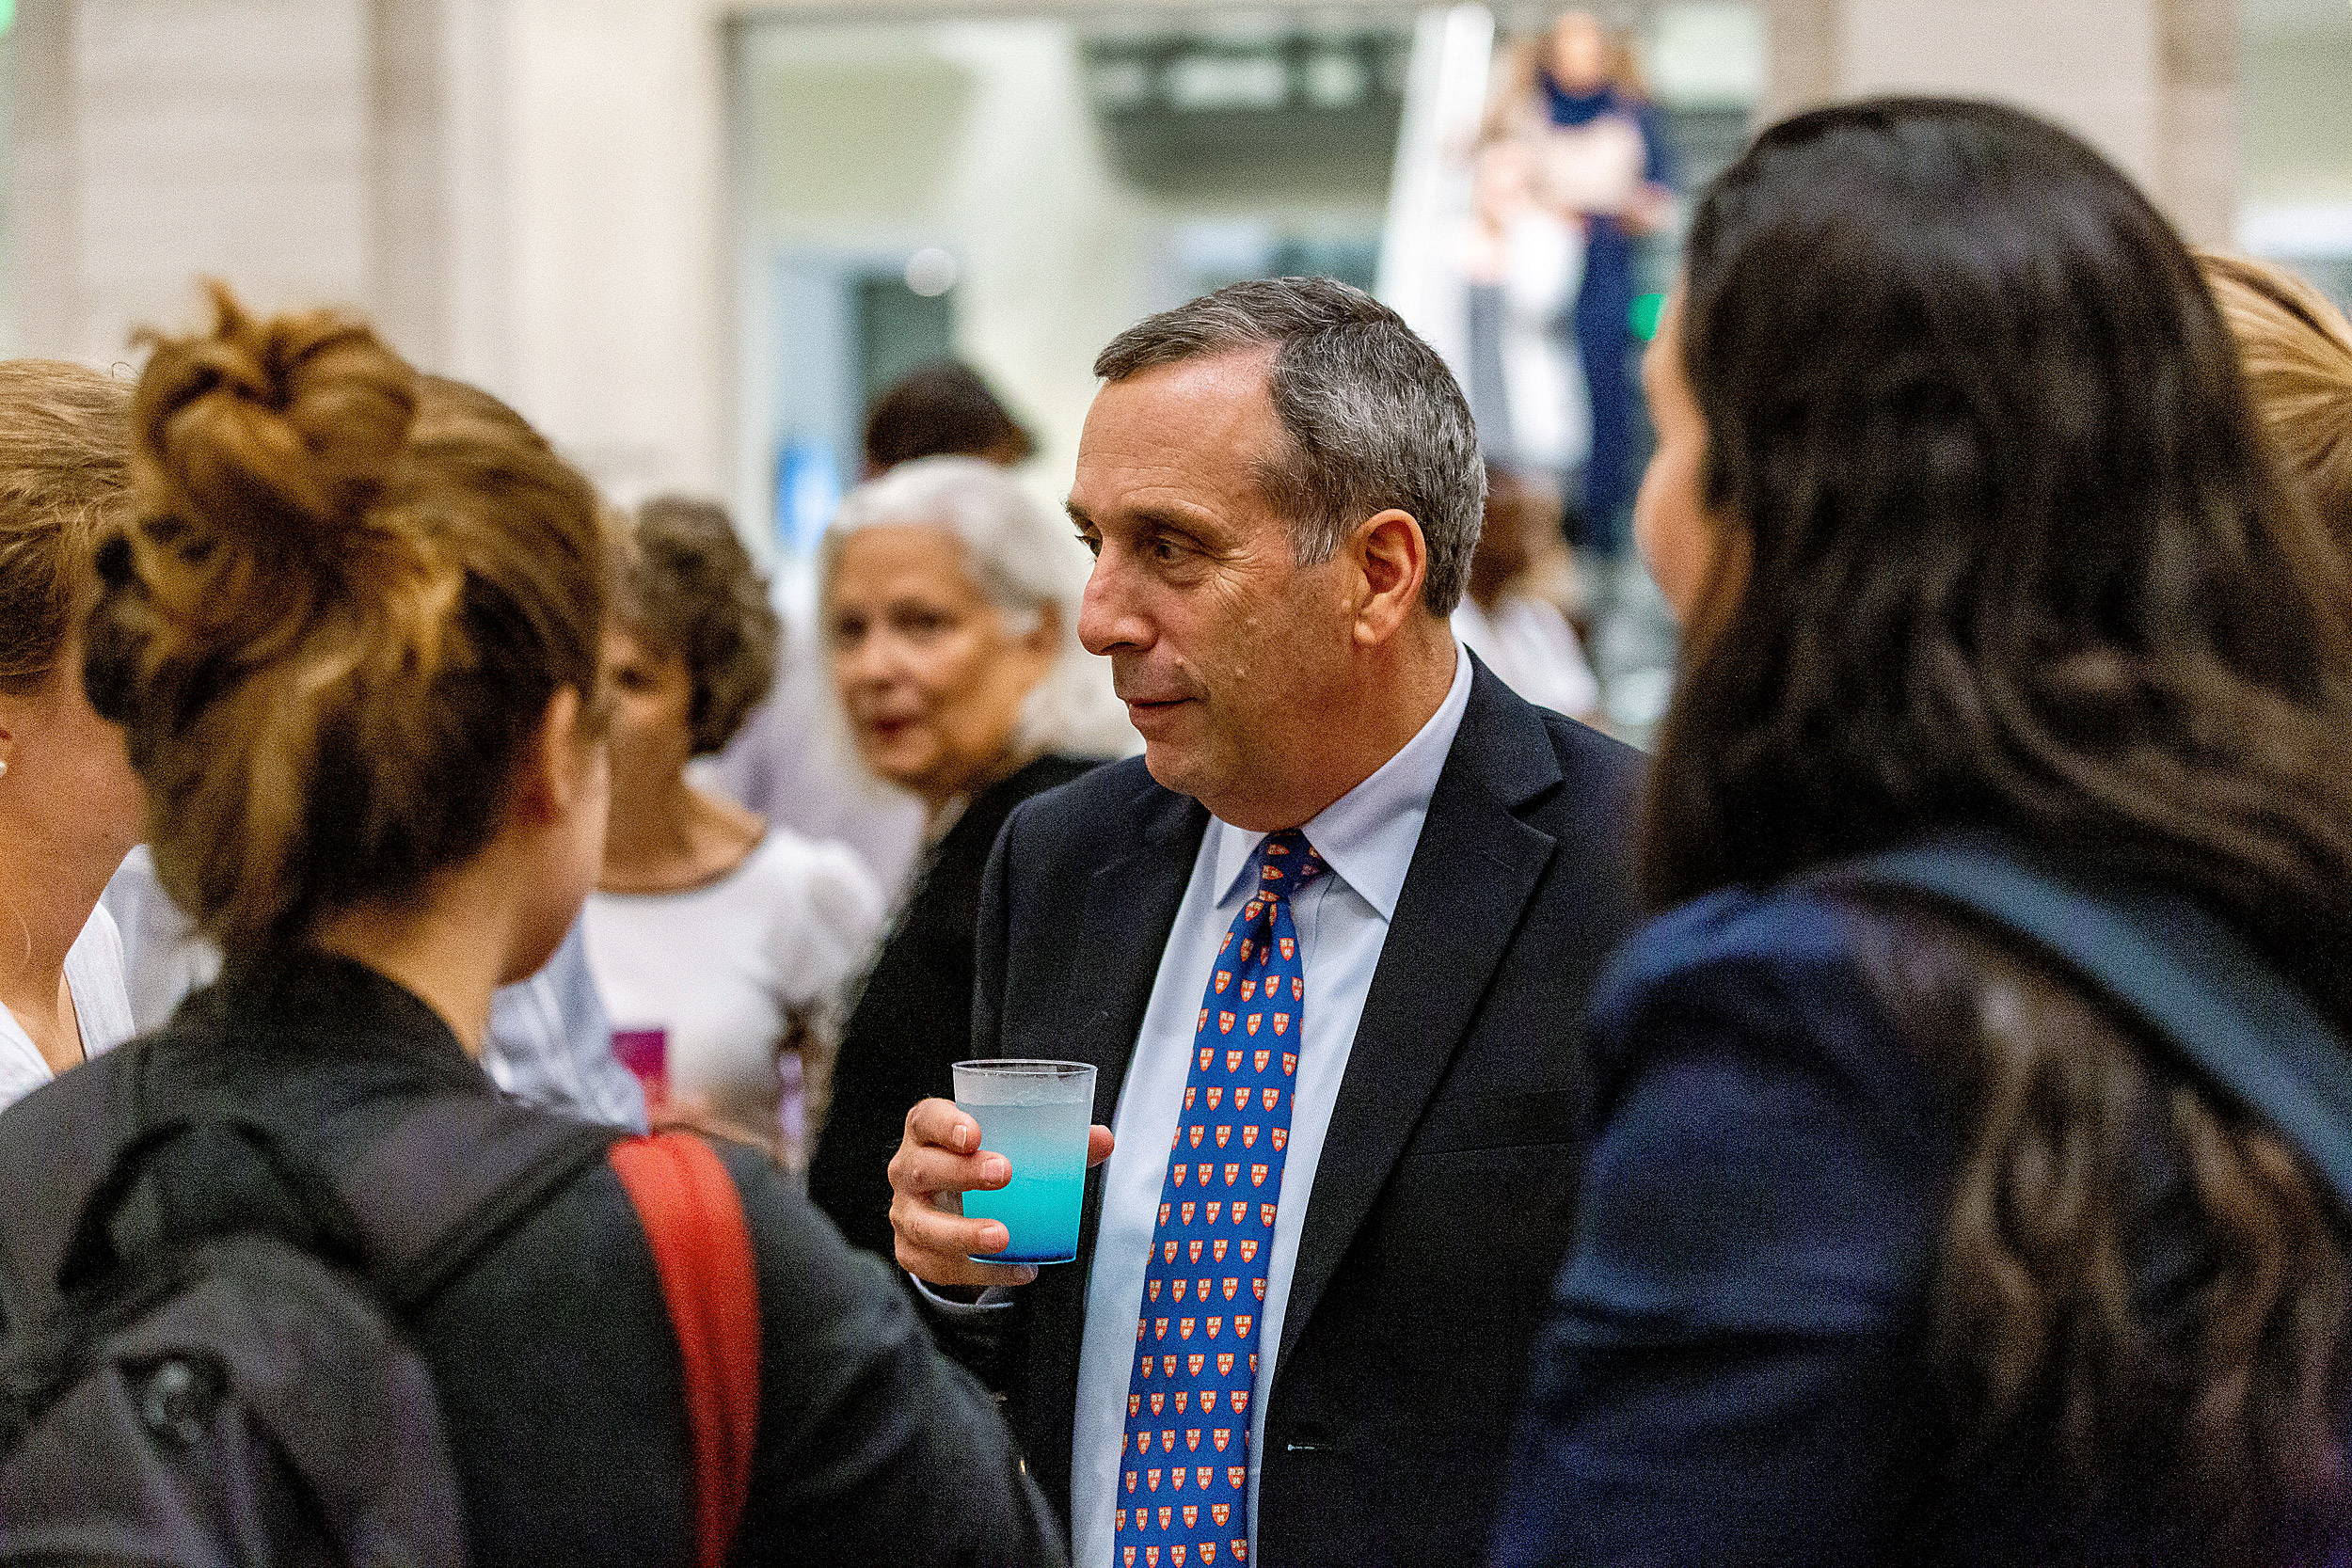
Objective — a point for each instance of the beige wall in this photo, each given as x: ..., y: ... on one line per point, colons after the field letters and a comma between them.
x: 532, y: 193
x: 2152, y: 83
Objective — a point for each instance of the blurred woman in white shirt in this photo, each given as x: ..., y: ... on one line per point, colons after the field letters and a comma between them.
x: 721, y: 944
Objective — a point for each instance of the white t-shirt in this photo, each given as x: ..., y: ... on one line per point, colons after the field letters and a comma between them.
x: 723, y: 970
x: 102, y: 1006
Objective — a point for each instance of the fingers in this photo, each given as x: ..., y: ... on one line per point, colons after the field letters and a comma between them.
x: 937, y: 1162
x: 1098, y: 1145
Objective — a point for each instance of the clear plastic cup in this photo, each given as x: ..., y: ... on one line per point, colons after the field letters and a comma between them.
x: 1035, y: 1115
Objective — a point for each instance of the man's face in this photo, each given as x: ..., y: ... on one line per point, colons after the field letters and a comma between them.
x: 1222, y: 646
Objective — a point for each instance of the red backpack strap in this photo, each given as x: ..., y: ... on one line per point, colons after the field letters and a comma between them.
x: 693, y: 1220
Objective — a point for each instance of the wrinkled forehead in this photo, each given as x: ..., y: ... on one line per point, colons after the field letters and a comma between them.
x: 1203, y: 428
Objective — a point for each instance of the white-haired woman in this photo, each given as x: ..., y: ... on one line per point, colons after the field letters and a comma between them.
x: 950, y: 605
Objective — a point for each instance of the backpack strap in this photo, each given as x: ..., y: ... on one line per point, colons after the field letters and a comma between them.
x: 2185, y: 974
x: 702, y: 1250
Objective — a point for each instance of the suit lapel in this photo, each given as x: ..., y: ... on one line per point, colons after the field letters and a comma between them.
x: 1131, y: 903
x: 1471, y: 875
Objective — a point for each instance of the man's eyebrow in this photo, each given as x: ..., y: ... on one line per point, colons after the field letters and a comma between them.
x: 1077, y: 513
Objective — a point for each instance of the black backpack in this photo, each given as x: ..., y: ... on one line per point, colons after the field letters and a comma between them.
x: 224, y: 1381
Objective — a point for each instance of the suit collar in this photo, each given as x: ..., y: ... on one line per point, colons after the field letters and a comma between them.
x: 1472, y: 873
x: 1367, y: 837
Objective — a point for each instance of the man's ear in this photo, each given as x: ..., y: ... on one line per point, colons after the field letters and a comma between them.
x: 548, y: 774
x: 1392, y: 561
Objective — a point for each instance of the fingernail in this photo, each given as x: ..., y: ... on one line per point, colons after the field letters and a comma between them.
x: 963, y: 1140
x: 998, y: 1170
x: 1023, y: 1275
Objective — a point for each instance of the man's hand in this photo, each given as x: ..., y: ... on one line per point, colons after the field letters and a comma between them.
x: 939, y: 1161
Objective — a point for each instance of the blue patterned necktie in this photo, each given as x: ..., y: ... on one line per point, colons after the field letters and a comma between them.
x: 1183, y: 1485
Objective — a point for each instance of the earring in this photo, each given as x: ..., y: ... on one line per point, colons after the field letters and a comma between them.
x: 4, y: 768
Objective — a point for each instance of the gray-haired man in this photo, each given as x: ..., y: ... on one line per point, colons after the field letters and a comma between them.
x: 1328, y: 940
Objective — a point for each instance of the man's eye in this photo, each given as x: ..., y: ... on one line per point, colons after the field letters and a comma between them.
x: 1092, y: 541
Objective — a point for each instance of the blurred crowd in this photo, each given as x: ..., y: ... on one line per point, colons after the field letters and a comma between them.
x: 481, y: 989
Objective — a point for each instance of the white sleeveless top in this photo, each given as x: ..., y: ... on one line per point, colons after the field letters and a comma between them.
x: 102, y: 1005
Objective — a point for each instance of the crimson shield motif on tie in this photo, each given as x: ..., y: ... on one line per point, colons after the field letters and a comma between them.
x: 1260, y: 957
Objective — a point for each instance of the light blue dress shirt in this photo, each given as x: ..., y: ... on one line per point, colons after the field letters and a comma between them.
x: 1367, y: 837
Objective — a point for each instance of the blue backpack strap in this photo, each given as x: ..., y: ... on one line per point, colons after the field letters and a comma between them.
x: 2190, y: 977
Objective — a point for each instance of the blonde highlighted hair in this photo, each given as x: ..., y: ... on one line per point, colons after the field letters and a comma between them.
x: 349, y: 594
x: 65, y: 478
x: 2296, y: 348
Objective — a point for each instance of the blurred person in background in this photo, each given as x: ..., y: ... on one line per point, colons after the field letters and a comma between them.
x: 727, y: 937
x: 1522, y: 263
x: 1901, y: 1242
x: 354, y: 639
x: 941, y: 409
x: 68, y: 804
x: 1510, y: 614
x: 2296, y: 348
x: 950, y: 605
x: 788, y: 762
x: 1600, y: 159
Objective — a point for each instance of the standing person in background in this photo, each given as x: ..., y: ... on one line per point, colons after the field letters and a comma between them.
x: 2296, y: 348
x: 68, y: 805
x: 1509, y: 615
x: 950, y: 606
x: 1601, y: 160
x: 1904, y: 1241
x: 790, y: 764
x: 941, y: 409
x: 1336, y: 919
x: 726, y: 936
x: 354, y: 638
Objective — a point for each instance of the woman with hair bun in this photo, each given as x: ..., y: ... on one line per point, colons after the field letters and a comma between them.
x: 354, y: 638
x: 718, y: 940
x: 1997, y: 1215
x: 68, y: 805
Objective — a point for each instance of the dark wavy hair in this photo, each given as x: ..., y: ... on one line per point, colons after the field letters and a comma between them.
x: 2003, y: 546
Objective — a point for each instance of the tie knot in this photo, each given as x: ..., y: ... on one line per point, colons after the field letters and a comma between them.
x: 1286, y: 863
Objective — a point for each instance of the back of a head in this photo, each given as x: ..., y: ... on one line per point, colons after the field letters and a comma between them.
x: 349, y: 596
x: 65, y: 478
x: 1374, y: 418
x: 2297, y: 347
x: 940, y: 409
x: 2002, y: 543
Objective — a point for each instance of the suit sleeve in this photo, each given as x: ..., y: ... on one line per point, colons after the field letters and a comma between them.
x: 1729, y: 1372
x: 994, y: 927
x: 873, y: 1447
x: 987, y: 1340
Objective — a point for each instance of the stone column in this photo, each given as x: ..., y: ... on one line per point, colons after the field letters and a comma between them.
x: 2151, y: 82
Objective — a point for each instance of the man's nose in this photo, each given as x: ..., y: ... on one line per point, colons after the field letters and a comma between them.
x: 1108, y: 617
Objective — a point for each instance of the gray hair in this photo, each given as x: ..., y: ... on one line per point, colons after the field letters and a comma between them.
x: 1375, y: 419
x: 1024, y: 559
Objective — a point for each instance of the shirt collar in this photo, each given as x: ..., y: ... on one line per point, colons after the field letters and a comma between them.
x: 1367, y: 837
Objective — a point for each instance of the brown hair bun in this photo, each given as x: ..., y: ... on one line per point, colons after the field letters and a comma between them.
x: 348, y: 599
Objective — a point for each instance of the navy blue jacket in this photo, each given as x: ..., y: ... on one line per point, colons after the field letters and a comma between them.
x: 1737, y: 1367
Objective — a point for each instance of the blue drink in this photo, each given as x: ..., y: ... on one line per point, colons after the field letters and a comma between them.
x: 1034, y: 1113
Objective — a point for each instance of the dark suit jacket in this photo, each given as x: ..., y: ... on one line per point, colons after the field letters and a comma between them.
x: 1440, y: 1207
